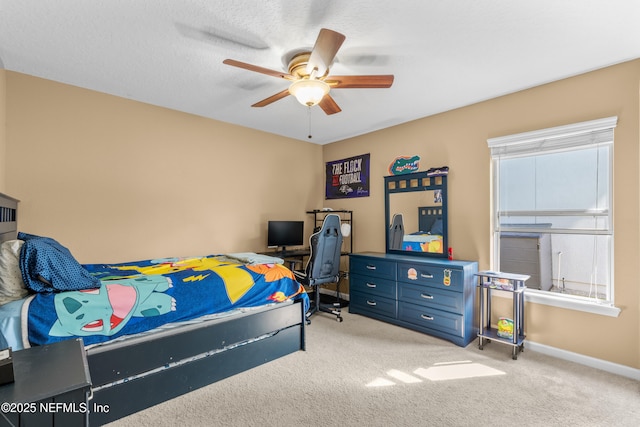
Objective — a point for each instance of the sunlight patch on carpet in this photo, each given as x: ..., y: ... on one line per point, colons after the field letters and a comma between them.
x: 457, y: 371
x: 380, y: 382
x: 442, y: 371
x: 403, y: 376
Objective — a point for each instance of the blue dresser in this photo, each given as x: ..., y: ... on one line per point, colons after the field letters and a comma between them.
x: 431, y: 295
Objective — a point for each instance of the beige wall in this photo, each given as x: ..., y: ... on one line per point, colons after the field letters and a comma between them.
x: 118, y: 180
x: 458, y: 139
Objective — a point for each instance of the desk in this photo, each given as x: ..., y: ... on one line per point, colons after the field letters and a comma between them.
x: 295, y: 256
x: 292, y: 256
x: 293, y: 253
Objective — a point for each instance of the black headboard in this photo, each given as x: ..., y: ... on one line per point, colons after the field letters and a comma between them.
x: 8, y: 217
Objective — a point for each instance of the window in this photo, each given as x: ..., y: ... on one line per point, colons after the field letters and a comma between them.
x: 552, y: 213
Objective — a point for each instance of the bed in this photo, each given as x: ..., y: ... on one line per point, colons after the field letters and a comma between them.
x: 134, y: 364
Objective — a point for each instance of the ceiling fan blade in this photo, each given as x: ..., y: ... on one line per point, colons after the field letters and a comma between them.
x: 258, y: 69
x: 272, y: 98
x: 356, y: 82
x: 324, y: 51
x: 329, y: 105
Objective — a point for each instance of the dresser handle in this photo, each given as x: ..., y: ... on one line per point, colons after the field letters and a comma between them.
x: 371, y: 285
x: 426, y: 296
x: 371, y: 303
x: 371, y: 267
x: 425, y: 317
x: 426, y: 276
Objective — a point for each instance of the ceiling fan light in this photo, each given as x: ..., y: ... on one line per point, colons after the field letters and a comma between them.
x: 309, y: 92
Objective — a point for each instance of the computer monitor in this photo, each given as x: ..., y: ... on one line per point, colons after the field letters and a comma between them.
x: 281, y: 234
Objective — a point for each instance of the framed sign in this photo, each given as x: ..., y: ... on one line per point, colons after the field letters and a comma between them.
x: 347, y: 178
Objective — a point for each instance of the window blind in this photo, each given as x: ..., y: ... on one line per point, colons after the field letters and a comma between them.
x: 560, y: 138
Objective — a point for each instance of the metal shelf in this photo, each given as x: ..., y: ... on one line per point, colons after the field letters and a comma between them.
x: 514, y: 284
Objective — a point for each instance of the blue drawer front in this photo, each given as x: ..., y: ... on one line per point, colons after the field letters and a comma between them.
x: 373, y: 267
x: 426, y: 317
x: 431, y: 297
x: 372, y: 304
x: 372, y: 285
x: 432, y: 275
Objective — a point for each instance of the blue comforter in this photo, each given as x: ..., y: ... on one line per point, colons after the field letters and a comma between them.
x: 140, y: 296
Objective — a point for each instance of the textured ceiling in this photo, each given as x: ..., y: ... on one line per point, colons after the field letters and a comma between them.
x: 444, y: 54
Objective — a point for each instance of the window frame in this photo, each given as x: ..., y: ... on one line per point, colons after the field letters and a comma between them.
x: 569, y: 137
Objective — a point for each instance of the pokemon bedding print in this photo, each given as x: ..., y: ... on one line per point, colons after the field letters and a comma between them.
x: 139, y: 296
x: 422, y: 242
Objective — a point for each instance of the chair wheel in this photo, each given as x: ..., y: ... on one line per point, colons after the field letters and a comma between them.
x: 339, y: 319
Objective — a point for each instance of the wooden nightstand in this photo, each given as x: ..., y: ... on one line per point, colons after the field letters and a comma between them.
x: 52, y: 387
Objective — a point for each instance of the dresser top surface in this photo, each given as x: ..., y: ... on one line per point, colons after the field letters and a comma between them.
x: 414, y: 259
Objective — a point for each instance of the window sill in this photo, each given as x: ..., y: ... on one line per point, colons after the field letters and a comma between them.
x: 560, y: 301
x: 547, y: 298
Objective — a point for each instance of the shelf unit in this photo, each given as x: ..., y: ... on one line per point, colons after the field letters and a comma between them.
x: 506, y: 282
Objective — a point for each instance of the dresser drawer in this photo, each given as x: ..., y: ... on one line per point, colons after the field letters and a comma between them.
x: 373, y: 267
x: 432, y: 275
x: 372, y: 285
x: 431, y: 318
x: 431, y: 297
x: 372, y: 304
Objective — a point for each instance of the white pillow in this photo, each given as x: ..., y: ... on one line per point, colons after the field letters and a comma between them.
x: 12, y: 286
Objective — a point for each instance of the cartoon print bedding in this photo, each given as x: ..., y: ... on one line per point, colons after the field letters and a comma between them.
x: 139, y: 296
x: 422, y: 242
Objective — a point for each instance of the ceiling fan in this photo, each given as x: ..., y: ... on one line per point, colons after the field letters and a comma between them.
x: 309, y: 75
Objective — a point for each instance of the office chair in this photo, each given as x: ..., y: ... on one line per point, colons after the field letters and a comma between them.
x: 396, y: 232
x: 323, y: 266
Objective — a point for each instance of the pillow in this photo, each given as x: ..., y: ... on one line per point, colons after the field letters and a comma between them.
x: 436, y: 227
x: 12, y: 286
x: 47, y: 266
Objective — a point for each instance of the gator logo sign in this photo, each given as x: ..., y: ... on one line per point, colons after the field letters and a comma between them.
x: 404, y: 164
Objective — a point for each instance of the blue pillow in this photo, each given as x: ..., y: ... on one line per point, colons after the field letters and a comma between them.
x: 47, y: 266
x: 437, y: 227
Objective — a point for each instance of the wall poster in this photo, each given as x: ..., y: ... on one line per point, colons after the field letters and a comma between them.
x: 348, y: 178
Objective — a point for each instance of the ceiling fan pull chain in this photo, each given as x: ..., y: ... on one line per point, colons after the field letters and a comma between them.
x: 309, y: 117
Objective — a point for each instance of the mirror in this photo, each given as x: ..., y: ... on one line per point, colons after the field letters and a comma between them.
x: 416, y: 215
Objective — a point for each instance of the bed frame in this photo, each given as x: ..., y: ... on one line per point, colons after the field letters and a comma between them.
x: 170, y: 364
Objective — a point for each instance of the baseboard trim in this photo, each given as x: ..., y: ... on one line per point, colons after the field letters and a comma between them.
x: 614, y: 368
x: 603, y: 365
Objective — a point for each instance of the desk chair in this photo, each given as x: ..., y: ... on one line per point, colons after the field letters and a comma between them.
x: 396, y: 232
x: 323, y: 266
